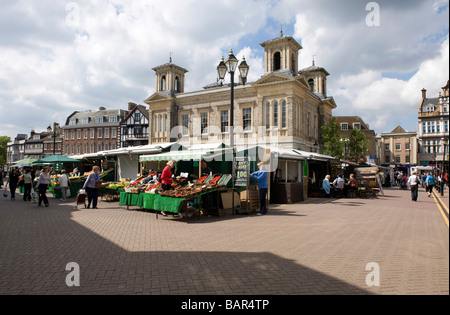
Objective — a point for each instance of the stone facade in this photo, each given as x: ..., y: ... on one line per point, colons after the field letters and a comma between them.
x: 280, y: 109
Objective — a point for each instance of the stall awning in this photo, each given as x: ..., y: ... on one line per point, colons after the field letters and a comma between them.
x: 315, y: 156
x: 185, y: 155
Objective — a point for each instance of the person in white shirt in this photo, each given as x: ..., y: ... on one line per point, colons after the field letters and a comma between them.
x: 64, y: 184
x: 42, y: 185
x: 413, y: 183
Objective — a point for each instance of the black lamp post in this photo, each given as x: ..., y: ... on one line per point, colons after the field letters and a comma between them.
x: 230, y: 66
x: 55, y: 125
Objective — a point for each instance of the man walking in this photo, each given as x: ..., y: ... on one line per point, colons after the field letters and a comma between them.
x: 413, y: 183
x: 261, y: 176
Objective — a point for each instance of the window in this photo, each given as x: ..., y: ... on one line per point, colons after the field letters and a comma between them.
x: 163, y: 83
x: 315, y: 127
x: 99, y: 133
x: 73, y: 122
x: 138, y: 132
x: 398, y: 159
x: 446, y: 126
x: 408, y: 159
x: 106, y: 146
x: 267, y: 115
x: 92, y: 133
x: 283, y: 115
x: 79, y: 149
x: 311, y: 84
x: 79, y: 134
x: 277, y: 61
x: 66, y: 135
x: 113, y: 133
x: 160, y: 123
x: 224, y: 121
x: 73, y: 134
x: 85, y: 148
x: 275, y: 114
x: 185, y: 124
x: 107, y: 133
x: 92, y: 148
x: 165, y: 123
x: 398, y: 147
x: 357, y: 126
x: 113, y: 119
x: 137, y: 117
x: 344, y: 126
x: 407, y: 146
x: 156, y: 123
x: 247, y: 119
x: 85, y: 121
x: 99, y: 120
x: 177, y: 84
x: 99, y: 147
x: 204, y: 123
x: 86, y: 134
x: 308, y: 124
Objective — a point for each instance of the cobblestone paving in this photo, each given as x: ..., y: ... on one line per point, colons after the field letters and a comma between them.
x: 313, y: 248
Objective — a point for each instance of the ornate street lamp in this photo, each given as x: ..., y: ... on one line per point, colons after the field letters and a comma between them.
x: 230, y: 66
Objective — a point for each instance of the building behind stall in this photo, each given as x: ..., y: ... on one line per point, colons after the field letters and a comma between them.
x: 434, y: 128
x: 349, y: 123
x: 134, y: 127
x: 92, y: 131
x: 399, y: 148
x: 284, y: 108
x: 15, y: 150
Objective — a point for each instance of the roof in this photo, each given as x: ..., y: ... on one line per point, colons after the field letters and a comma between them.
x: 314, y: 68
x: 280, y: 39
x: 350, y: 120
x: 170, y: 65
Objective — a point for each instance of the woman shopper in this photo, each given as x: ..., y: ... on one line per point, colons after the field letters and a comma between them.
x: 413, y: 183
x: 429, y: 183
x: 90, y: 185
x: 64, y: 183
x: 42, y: 185
x: 166, y: 178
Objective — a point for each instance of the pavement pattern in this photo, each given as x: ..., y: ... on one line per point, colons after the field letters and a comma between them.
x: 385, y: 246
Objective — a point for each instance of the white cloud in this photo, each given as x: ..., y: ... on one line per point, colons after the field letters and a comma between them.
x: 48, y: 69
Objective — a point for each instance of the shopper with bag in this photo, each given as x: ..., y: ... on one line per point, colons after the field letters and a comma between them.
x: 91, y: 185
x: 413, y: 183
x: 42, y: 184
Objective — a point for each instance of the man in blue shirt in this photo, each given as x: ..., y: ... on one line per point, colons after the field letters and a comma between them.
x: 261, y: 176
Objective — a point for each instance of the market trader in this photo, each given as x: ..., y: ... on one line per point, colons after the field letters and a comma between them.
x: 261, y: 176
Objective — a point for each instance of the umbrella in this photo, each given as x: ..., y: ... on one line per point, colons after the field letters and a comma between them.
x: 24, y: 162
x: 57, y: 158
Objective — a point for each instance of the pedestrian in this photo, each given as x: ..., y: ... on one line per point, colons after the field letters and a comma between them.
x: 423, y: 178
x: 90, y: 185
x: 261, y: 176
x: 413, y: 183
x: 338, y: 185
x: 327, y: 186
x: 441, y: 183
x: 43, y: 182
x: 166, y: 179
x: 27, y: 185
x: 13, y: 180
x: 429, y: 183
x: 1, y: 178
x: 64, y: 184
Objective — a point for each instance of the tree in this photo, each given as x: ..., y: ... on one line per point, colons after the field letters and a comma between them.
x: 357, y: 145
x: 331, y: 140
x: 3, y: 147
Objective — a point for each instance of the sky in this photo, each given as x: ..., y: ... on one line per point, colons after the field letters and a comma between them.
x: 57, y: 57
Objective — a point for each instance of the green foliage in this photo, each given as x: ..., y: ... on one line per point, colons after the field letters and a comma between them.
x: 357, y: 145
x: 331, y: 140
x: 3, y: 144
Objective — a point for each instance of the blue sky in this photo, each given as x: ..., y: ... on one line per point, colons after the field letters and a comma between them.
x: 57, y: 57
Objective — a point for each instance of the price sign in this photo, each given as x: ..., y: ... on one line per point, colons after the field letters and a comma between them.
x: 241, y: 172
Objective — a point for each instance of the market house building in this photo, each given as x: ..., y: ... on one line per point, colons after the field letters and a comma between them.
x: 285, y: 105
x: 92, y: 131
x: 434, y: 129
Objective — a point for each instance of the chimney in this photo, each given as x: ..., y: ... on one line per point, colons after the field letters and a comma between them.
x: 424, y: 94
x: 131, y: 106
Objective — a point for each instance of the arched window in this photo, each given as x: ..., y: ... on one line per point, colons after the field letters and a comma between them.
x: 268, y: 115
x: 275, y: 114
x: 277, y: 61
x: 163, y: 83
x: 177, y: 84
x: 312, y: 85
x: 283, y: 115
